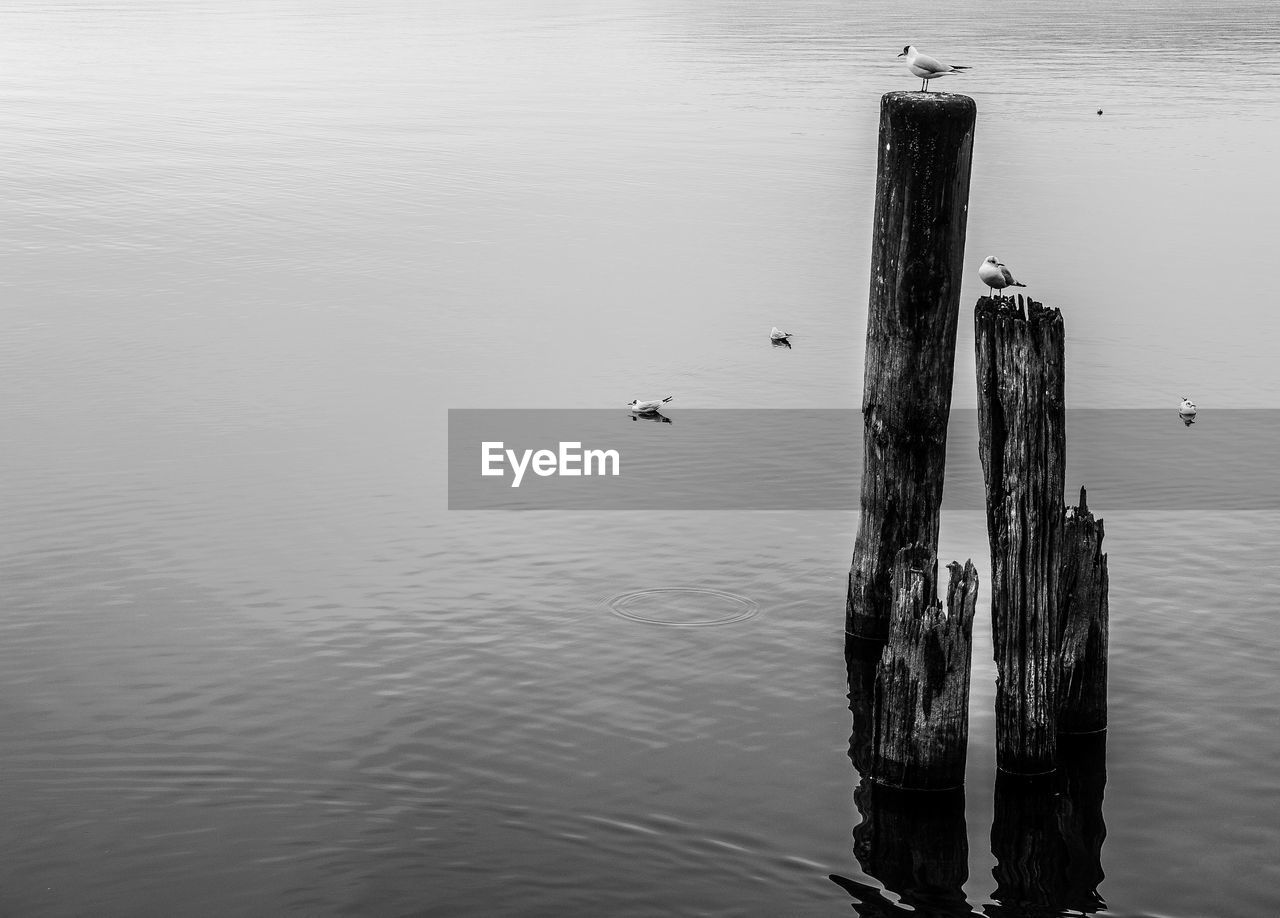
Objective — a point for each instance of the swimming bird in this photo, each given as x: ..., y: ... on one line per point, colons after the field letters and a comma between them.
x: 778, y: 334
x: 996, y: 276
x: 1187, y: 409
x: 926, y: 67
x: 648, y: 407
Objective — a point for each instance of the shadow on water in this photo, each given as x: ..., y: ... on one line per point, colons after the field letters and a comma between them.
x: 1046, y: 833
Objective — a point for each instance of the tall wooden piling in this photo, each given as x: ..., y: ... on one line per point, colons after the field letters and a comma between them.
x: 1022, y: 444
x: 922, y: 196
x: 1082, y: 647
x: 920, y: 719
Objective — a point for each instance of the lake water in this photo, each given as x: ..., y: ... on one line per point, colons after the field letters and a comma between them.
x: 253, y: 252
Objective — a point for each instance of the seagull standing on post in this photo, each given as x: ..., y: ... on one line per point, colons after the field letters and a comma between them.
x: 996, y: 276
x: 926, y: 67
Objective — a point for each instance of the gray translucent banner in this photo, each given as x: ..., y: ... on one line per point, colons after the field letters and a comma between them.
x: 800, y: 459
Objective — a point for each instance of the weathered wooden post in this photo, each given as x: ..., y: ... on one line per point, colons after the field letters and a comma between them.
x: 920, y: 719
x: 922, y: 197
x: 1022, y: 444
x: 1082, y: 651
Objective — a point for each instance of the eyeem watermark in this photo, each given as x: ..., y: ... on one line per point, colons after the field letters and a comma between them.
x: 812, y: 459
x: 569, y: 461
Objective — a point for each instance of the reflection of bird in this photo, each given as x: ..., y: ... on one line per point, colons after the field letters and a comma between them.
x: 648, y: 407
x: 778, y: 334
x: 996, y: 275
x: 781, y: 342
x: 1187, y: 408
x: 651, y: 416
x: 926, y: 67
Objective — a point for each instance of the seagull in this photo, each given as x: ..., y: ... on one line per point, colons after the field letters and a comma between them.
x: 996, y: 276
x: 778, y: 334
x: 926, y: 68
x: 1187, y: 409
x: 648, y: 407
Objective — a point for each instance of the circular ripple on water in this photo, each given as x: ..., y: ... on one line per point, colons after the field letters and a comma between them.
x: 678, y: 607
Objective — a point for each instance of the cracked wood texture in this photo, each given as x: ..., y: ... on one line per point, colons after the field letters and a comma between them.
x: 917, y: 254
x: 1022, y: 444
x: 920, y: 725
x: 1082, y: 648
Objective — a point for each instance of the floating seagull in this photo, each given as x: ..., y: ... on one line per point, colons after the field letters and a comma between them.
x: 996, y: 276
x: 648, y: 407
x: 778, y: 334
x: 926, y: 68
x: 1187, y: 409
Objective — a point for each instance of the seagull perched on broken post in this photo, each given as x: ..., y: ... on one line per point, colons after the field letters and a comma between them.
x: 996, y: 276
x: 926, y: 67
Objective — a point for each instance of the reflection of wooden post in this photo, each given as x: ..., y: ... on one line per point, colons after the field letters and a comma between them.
x: 920, y: 728
x: 860, y: 659
x: 917, y: 253
x: 1047, y: 834
x: 1031, y: 861
x: 916, y: 844
x: 1022, y: 443
x: 1082, y: 654
x: 1082, y: 766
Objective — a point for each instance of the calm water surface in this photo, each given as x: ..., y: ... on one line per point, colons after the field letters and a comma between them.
x: 252, y: 253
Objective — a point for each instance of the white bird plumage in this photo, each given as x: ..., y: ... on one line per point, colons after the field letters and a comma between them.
x: 648, y: 406
x: 928, y: 68
x: 1187, y: 408
x: 995, y: 275
x: 778, y: 334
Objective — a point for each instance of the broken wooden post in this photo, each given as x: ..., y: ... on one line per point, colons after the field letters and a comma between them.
x: 922, y: 196
x: 1082, y: 651
x: 920, y: 719
x: 1022, y: 444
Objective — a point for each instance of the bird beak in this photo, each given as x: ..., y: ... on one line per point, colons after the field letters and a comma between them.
x: 902, y: 54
